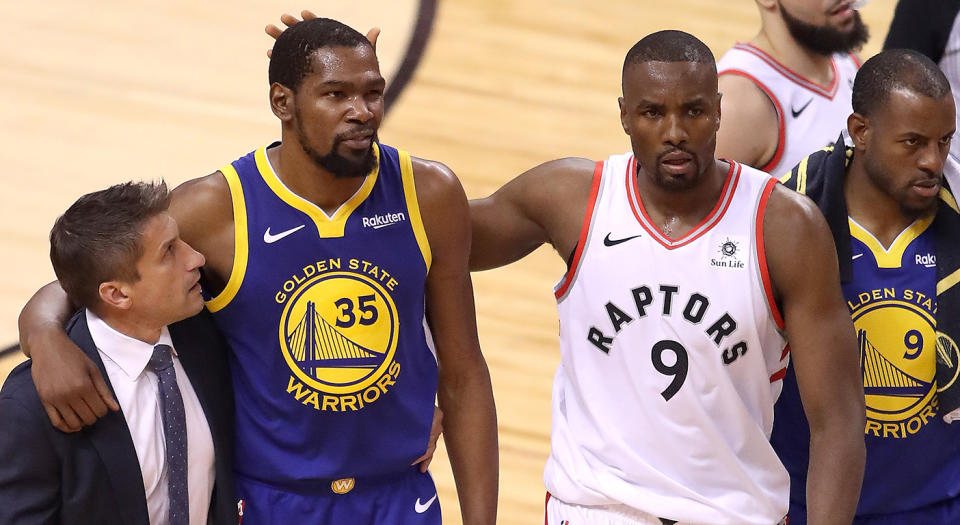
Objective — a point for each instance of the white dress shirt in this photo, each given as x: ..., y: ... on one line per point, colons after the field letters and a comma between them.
x: 125, y: 360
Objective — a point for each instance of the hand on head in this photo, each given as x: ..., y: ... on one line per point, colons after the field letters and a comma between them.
x: 289, y: 20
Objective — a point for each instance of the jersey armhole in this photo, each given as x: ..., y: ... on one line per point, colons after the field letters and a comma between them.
x: 781, y: 119
x: 564, y: 285
x: 413, y: 207
x: 762, y: 254
x: 240, y: 248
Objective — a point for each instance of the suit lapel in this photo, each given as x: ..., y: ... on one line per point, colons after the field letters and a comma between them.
x: 111, y: 437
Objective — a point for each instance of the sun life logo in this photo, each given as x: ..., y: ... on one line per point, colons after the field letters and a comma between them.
x: 728, y: 251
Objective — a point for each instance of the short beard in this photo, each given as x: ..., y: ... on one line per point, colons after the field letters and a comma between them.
x: 333, y: 162
x: 825, y: 40
x: 878, y: 176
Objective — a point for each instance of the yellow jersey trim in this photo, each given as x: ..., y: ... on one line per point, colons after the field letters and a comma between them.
x: 946, y: 197
x: 947, y: 282
x: 240, y: 248
x: 327, y: 227
x: 892, y: 257
x: 413, y: 206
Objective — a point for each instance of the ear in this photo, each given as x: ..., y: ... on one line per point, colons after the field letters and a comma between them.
x: 282, y: 102
x: 114, y: 294
x: 859, y: 128
x: 623, y: 116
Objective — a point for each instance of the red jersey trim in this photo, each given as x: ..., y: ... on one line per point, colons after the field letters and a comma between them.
x: 762, y: 254
x: 781, y: 119
x: 545, y: 519
x: 796, y: 78
x: 584, y: 231
x: 856, y: 60
x: 778, y: 375
x: 708, y: 222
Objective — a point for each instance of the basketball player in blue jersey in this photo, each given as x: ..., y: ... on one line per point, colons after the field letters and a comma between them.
x: 337, y: 271
x: 896, y: 226
x: 617, y: 393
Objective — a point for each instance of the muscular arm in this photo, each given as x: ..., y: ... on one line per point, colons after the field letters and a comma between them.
x: 464, y: 392
x: 749, y: 129
x: 69, y: 384
x: 802, y: 262
x: 544, y: 204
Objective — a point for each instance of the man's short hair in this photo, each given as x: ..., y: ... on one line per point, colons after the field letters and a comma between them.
x: 98, y: 238
x: 892, y: 70
x: 291, y: 59
x: 669, y: 46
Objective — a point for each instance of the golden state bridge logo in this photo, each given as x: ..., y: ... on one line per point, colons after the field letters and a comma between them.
x: 897, y: 340
x: 338, y: 335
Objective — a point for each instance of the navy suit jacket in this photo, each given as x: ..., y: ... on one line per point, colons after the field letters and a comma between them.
x: 93, y: 476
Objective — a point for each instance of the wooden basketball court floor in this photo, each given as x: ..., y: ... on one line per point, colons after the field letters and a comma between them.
x: 101, y: 91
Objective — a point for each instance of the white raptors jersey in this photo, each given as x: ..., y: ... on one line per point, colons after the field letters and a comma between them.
x: 809, y: 116
x: 671, y: 362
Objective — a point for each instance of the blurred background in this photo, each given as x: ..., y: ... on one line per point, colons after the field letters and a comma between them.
x: 101, y: 91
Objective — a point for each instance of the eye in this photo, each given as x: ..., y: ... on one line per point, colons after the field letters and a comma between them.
x: 334, y: 94
x: 650, y: 113
x: 912, y: 142
x: 695, y: 112
x: 946, y: 140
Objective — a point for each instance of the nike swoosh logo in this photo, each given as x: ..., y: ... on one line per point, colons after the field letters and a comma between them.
x: 607, y: 241
x: 857, y: 256
x: 422, y: 507
x: 797, y: 112
x: 272, y: 238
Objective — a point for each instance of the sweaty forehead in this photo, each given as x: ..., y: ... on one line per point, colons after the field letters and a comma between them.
x: 345, y: 63
x: 906, y: 110
x: 659, y: 79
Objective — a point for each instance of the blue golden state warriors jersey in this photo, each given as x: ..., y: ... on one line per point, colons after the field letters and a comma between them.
x: 913, y: 456
x: 334, y: 371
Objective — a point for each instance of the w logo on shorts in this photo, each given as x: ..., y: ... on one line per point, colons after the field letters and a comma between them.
x: 342, y: 486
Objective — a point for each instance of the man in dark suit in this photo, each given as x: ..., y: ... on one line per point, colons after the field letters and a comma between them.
x: 166, y: 455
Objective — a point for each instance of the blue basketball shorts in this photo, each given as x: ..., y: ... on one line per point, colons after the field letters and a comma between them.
x: 406, y: 499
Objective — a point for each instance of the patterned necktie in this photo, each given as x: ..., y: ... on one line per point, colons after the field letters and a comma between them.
x: 174, y: 433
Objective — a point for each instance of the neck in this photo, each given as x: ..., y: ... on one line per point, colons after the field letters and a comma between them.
x: 873, y: 208
x: 129, y: 326
x: 680, y: 211
x: 775, y: 40
x: 303, y: 176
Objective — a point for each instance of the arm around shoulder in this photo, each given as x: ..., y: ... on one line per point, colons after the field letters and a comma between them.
x: 545, y: 204
x: 802, y: 262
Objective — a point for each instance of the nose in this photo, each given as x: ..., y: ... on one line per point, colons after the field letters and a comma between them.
x: 932, y: 158
x: 194, y: 258
x: 674, y: 133
x: 360, y: 109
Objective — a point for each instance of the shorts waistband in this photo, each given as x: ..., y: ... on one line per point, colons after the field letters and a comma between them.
x: 314, y: 487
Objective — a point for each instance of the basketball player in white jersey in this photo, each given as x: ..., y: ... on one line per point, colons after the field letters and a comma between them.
x: 687, y: 278
x: 786, y: 92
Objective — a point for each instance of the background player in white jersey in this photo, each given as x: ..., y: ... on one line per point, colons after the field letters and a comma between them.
x: 664, y: 397
x: 786, y: 92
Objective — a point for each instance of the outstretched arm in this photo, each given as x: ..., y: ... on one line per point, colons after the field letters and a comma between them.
x: 70, y: 386
x: 464, y: 392
x: 802, y: 261
x: 546, y: 204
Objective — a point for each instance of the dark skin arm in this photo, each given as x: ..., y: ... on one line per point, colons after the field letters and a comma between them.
x: 464, y: 392
x: 545, y: 204
x: 802, y: 262
x: 71, y: 388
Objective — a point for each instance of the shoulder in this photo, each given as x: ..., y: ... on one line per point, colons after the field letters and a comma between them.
x: 560, y: 178
x: 201, y: 205
x: 434, y: 180
x: 18, y: 397
x: 195, y: 194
